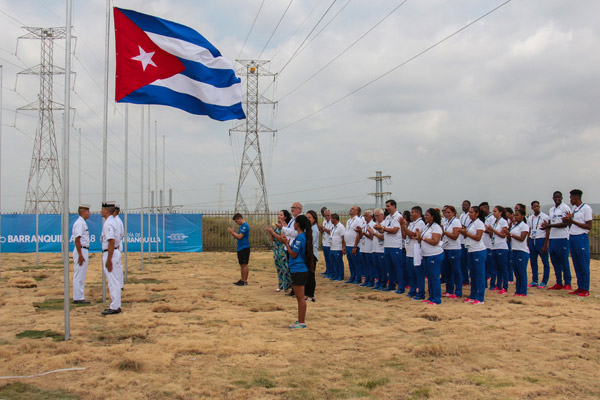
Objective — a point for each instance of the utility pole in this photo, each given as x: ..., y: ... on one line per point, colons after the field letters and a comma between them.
x: 252, y: 158
x: 44, y: 186
x: 379, y: 193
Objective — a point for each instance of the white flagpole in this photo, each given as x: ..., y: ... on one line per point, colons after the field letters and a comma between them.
x: 65, y: 182
x: 79, y: 172
x: 142, y: 196
x: 162, y: 196
x: 105, y: 125
x: 156, y: 179
x: 125, y: 207
x: 149, y: 194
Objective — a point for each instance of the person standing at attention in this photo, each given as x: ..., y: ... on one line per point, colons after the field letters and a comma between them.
x: 416, y: 270
x: 488, y: 219
x: 311, y: 284
x: 378, y: 249
x: 301, y: 260
x: 326, y: 231
x: 464, y: 221
x: 537, y: 246
x: 392, y: 247
x: 338, y: 248
x: 243, y: 247
x: 433, y: 254
x: 557, y: 242
x: 351, y: 237
x: 81, y: 237
x: 110, y: 259
x: 473, y: 234
x: 452, y: 253
x: 500, y: 254
x: 580, y: 221
x: 520, y: 252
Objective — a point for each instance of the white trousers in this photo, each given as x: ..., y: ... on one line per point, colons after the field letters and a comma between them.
x: 114, y: 278
x: 79, y: 272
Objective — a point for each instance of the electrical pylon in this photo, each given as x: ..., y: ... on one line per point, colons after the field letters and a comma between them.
x: 252, y: 158
x: 379, y: 193
x: 44, y: 186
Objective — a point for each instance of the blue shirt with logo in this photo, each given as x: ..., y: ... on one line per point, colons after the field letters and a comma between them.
x: 244, y: 242
x: 298, y: 264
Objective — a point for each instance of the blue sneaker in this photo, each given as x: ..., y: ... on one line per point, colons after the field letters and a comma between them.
x: 349, y: 281
x: 363, y: 284
x: 339, y: 279
x: 370, y: 284
x: 399, y: 291
x: 297, y: 325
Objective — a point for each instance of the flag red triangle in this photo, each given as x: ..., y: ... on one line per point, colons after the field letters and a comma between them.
x: 132, y: 42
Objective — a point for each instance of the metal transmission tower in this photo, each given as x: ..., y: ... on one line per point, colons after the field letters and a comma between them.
x: 379, y: 193
x: 44, y: 186
x: 251, y: 158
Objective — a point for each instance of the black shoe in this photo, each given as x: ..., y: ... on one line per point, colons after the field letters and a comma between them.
x: 241, y: 283
x: 81, y: 302
x: 110, y: 311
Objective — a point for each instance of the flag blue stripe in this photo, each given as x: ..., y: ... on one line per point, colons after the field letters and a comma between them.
x: 151, y: 94
x: 149, y: 23
x: 220, y: 78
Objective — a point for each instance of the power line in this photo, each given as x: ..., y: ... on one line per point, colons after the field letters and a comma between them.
x: 251, y: 28
x: 345, y: 50
x: 396, y: 67
x: 275, y: 30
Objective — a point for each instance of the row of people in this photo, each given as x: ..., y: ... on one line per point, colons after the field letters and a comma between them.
x: 395, y: 252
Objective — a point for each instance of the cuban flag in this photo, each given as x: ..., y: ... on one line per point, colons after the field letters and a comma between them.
x: 162, y: 62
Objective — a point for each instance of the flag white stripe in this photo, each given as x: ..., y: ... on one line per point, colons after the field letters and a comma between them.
x: 207, y: 93
x: 189, y: 51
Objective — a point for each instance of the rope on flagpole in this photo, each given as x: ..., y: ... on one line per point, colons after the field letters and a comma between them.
x: 43, y: 373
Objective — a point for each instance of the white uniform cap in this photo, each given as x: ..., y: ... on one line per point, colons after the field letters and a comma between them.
x: 86, y: 206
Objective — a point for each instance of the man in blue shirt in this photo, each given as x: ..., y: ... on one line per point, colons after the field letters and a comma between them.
x: 243, y: 247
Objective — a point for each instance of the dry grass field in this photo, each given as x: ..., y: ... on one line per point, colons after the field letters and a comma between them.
x: 187, y: 333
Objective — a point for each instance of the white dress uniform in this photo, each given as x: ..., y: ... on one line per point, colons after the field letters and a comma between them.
x: 114, y: 278
x: 119, y: 241
x: 80, y: 230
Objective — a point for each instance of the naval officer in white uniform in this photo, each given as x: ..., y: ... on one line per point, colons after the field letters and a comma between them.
x: 81, y: 237
x: 111, y: 262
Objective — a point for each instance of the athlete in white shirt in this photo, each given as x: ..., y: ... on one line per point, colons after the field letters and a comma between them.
x: 326, y: 231
x: 81, y: 238
x: 488, y: 220
x: 366, y: 250
x: 392, y: 242
x: 416, y: 272
x: 520, y: 251
x: 464, y: 221
x: 499, y: 255
x: 353, y: 228
x: 557, y: 241
x: 452, y: 253
x: 378, y: 249
x: 580, y: 221
x: 537, y: 241
x: 338, y: 248
x: 473, y: 234
x: 433, y: 254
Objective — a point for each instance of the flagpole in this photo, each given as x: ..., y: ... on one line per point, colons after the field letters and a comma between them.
x: 156, y: 178
x: 126, y: 180
x: 79, y: 172
x: 162, y: 196
x: 142, y: 196
x: 105, y: 126
x: 1, y: 72
x: 65, y: 183
x: 149, y: 186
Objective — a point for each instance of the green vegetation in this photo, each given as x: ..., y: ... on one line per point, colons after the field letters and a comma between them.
x: 19, y: 390
x: 55, y: 304
x: 32, y: 334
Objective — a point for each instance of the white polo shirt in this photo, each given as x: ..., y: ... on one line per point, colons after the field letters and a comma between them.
x: 392, y: 240
x: 472, y: 228
x: 337, y: 233
x: 499, y: 243
x: 449, y: 244
x: 427, y: 249
x: 517, y: 229
x: 581, y: 214
x: 535, y: 225
x: 377, y: 243
x: 326, y: 236
x: 350, y: 234
x: 487, y: 240
x: 409, y: 244
x: 366, y: 244
x: 464, y: 221
x: 556, y: 215
x: 80, y: 230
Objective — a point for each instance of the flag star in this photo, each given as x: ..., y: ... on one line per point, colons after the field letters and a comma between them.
x: 144, y: 58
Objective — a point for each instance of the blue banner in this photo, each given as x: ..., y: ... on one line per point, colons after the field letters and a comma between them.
x: 182, y: 232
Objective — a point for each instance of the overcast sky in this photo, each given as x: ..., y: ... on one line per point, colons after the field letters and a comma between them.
x: 505, y: 111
